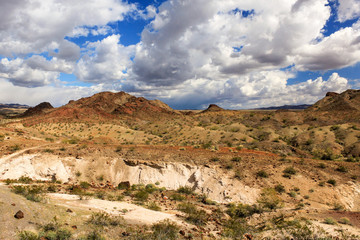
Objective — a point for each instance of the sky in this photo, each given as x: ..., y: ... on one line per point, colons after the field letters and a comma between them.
x: 188, y: 53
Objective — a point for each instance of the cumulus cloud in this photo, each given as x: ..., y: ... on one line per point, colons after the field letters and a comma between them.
x: 34, y: 25
x: 266, y: 88
x: 189, y: 39
x: 348, y: 9
x: 56, y: 95
x: 107, y: 62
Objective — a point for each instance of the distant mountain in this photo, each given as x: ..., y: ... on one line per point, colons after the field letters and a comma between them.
x: 286, y: 107
x: 14, y: 105
x: 345, y: 101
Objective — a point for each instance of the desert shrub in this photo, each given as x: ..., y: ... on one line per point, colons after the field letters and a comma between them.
x: 94, y: 235
x: 104, y: 219
x: 288, y: 172
x: 269, y: 199
x: 214, y: 159
x: 334, y: 128
x: 14, y: 148
x: 345, y: 220
x: 279, y: 188
x: 153, y: 206
x: 141, y: 196
x: 177, y: 197
x: 59, y: 234
x: 51, y: 188
x: 236, y: 159
x: 193, y: 215
x: 25, y: 179
x: 292, y: 194
x: 238, y: 175
x: 186, y: 207
x: 322, y: 166
x: 100, y: 195
x: 150, y: 188
x: 299, y: 206
x: 165, y: 230
x: 32, y: 193
x: 332, y: 181
x: 100, y: 178
x: 330, y: 221
x: 338, y: 207
x: 123, y: 185
x: 27, y: 235
x: 262, y: 174
x: 186, y: 190
x: 198, y: 217
x: 242, y: 210
x: 205, y: 200
x: 236, y: 228
x: 342, y: 169
x: 84, y: 185
x: 78, y: 173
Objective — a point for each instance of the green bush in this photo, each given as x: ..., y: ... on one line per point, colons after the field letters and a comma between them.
x: 342, y: 169
x: 330, y: 221
x: 27, y: 235
x: 288, y: 172
x: 186, y: 190
x: 84, y: 185
x: 236, y: 228
x: 177, y: 197
x: 198, y: 218
x: 141, y: 196
x: 269, y: 199
x: 332, y: 182
x: 165, y: 230
x: 25, y: 179
x: 94, y: 235
x: 236, y: 159
x: 242, y: 210
x: 150, y: 188
x: 279, y: 188
x: 345, y: 220
x: 104, y: 219
x: 32, y: 193
x: 262, y: 174
x: 153, y: 206
x: 186, y: 207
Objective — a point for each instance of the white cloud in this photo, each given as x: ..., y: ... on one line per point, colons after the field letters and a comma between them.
x: 108, y: 62
x: 348, y: 9
x: 56, y: 95
x: 33, y: 25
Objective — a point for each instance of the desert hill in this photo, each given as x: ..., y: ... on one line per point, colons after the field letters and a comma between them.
x: 38, y: 109
x: 213, y: 108
x: 345, y: 101
x: 108, y: 105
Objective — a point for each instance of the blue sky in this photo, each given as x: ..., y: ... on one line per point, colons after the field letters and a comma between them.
x: 238, y: 54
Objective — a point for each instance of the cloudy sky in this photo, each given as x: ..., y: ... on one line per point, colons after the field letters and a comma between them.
x: 188, y: 53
